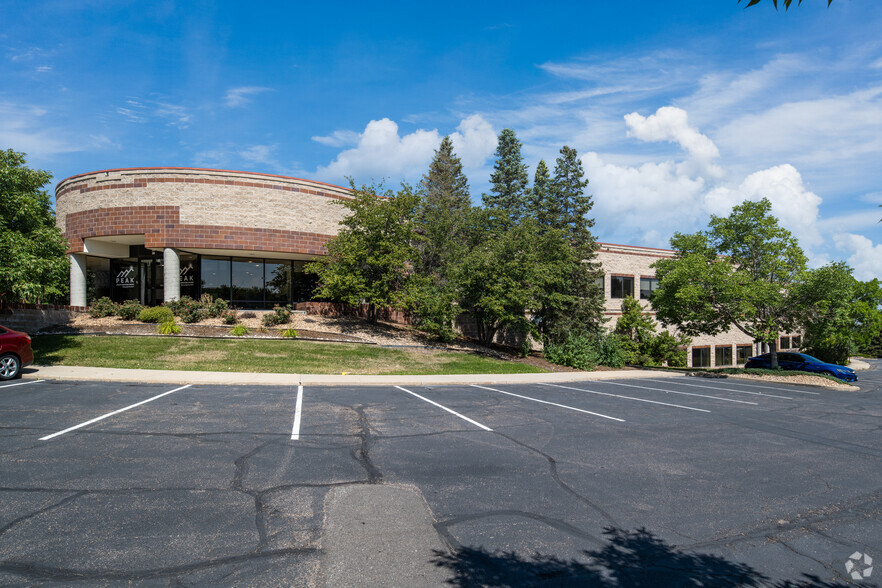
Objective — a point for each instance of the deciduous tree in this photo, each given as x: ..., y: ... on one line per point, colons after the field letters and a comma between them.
x: 369, y: 260
x: 741, y: 271
x: 33, y: 264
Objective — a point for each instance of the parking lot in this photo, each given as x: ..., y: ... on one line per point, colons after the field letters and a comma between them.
x: 665, y: 481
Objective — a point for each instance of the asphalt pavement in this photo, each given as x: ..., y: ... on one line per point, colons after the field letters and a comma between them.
x: 653, y: 481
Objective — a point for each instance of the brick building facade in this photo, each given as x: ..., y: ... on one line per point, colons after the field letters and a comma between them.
x: 156, y: 234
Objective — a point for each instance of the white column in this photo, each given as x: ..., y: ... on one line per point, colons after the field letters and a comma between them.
x: 171, y: 270
x: 77, y: 279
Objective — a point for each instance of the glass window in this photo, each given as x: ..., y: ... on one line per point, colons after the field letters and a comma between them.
x: 215, y: 276
x: 785, y: 343
x: 701, y: 357
x: 278, y: 283
x: 248, y: 290
x: 189, y: 275
x: 647, y: 287
x: 723, y: 355
x: 796, y: 342
x: 97, y: 278
x: 598, y: 281
x: 125, y: 280
x: 621, y: 286
x: 744, y: 353
x: 304, y: 284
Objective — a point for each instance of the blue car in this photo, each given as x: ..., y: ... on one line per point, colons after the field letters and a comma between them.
x: 803, y: 363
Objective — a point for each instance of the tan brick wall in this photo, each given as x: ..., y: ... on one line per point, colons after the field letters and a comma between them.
x: 209, y: 198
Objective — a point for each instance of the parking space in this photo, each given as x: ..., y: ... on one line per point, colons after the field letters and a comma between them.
x: 226, y: 484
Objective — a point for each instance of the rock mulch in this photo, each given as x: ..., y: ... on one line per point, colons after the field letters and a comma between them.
x: 801, y: 379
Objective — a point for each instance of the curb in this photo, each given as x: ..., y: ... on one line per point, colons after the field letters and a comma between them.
x: 93, y: 374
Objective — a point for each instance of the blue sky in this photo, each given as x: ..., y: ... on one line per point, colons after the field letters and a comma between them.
x: 679, y: 109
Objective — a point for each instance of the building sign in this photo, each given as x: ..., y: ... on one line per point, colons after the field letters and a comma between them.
x: 188, y: 275
x: 125, y: 277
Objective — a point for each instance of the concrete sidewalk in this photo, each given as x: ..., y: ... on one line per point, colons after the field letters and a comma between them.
x: 76, y: 373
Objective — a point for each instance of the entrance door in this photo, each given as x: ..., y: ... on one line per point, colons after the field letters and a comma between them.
x: 152, y: 282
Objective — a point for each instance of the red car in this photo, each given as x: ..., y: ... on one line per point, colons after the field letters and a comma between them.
x: 15, y: 353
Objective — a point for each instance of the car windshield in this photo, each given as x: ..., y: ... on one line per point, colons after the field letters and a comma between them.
x: 811, y: 359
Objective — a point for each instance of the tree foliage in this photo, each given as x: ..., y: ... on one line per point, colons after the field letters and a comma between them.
x: 369, y: 260
x: 786, y: 3
x: 508, y: 193
x: 741, y: 271
x: 643, y: 345
x: 33, y: 264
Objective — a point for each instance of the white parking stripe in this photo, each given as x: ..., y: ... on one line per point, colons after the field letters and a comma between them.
x: 22, y: 383
x: 295, y: 430
x: 551, y: 403
x: 718, y: 388
x: 463, y: 417
x: 764, y: 387
x: 110, y: 414
x: 629, y: 398
x: 682, y: 393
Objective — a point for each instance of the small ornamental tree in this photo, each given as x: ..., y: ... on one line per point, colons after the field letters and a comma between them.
x: 368, y: 261
x: 33, y: 264
x: 742, y: 271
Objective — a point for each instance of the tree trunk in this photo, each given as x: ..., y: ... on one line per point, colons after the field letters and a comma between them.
x: 773, y: 361
x: 372, y: 313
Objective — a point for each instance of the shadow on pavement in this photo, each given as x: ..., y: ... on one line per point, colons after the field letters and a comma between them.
x: 630, y: 558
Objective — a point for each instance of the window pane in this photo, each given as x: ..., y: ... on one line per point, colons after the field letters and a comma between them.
x: 278, y: 283
x: 125, y: 280
x: 621, y: 287
x: 248, y: 291
x: 700, y: 357
x: 785, y: 343
x: 215, y: 277
x: 189, y: 275
x: 303, y: 284
x: 723, y: 355
x: 796, y: 342
x: 97, y: 278
x: 647, y: 287
x: 744, y: 353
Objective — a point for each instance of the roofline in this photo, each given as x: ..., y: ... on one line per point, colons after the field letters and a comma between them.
x: 203, y: 169
x: 636, y: 247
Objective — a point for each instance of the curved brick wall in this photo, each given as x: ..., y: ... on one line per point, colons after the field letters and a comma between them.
x: 200, y: 208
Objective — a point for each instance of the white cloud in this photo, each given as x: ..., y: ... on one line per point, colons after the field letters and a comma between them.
x: 866, y: 258
x: 262, y: 154
x: 672, y: 125
x: 381, y: 151
x: 25, y: 128
x: 474, y: 141
x: 793, y: 204
x: 342, y: 138
x: 237, y: 97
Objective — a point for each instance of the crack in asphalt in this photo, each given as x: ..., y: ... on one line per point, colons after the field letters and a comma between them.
x: 31, y: 570
x: 361, y: 454
x: 443, y: 527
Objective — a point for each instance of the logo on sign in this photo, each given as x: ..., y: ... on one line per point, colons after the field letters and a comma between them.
x: 126, y: 278
x: 188, y: 276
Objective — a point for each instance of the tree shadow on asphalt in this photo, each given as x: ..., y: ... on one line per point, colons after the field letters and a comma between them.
x: 629, y: 558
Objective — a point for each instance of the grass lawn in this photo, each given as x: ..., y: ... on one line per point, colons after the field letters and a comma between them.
x: 259, y: 355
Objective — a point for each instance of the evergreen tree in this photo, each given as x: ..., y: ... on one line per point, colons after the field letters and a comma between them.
x: 541, y: 203
x: 442, y: 212
x: 508, y: 195
x: 578, y: 307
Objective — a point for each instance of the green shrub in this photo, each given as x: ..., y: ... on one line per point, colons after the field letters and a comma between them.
x: 156, y: 314
x: 130, y: 310
x: 248, y: 315
x: 291, y: 333
x: 103, y: 307
x: 239, y: 331
x: 577, y: 350
x: 169, y: 328
x: 279, y: 316
x: 610, y: 351
x: 231, y: 317
x: 217, y: 307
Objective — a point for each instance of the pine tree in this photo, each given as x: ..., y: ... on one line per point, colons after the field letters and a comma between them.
x: 541, y: 203
x: 442, y: 213
x: 579, y: 306
x: 508, y: 195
